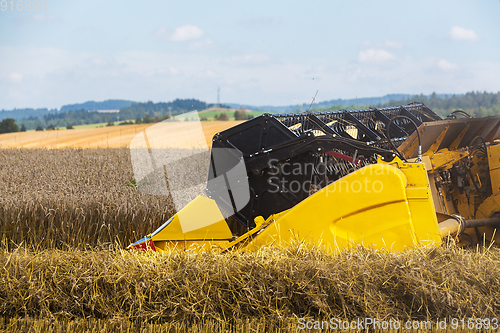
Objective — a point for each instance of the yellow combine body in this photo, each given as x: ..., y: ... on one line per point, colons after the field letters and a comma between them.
x: 396, y: 202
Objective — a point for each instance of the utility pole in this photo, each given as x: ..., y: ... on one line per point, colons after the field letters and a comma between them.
x: 218, y: 96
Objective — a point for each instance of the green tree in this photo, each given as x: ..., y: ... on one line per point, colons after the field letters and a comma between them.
x: 110, y: 123
x: 8, y: 126
x: 223, y: 116
x: 240, y: 115
x: 138, y: 120
x: 39, y: 128
x: 474, y: 103
x: 51, y: 127
x: 23, y: 128
x: 69, y: 126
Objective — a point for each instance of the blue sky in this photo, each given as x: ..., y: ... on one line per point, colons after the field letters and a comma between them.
x: 257, y: 52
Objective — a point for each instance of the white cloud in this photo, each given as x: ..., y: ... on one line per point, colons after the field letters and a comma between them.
x: 388, y: 44
x: 162, y: 34
x: 186, y: 32
x: 98, y: 61
x: 375, y: 56
x: 458, y: 33
x: 201, y: 44
x: 249, y: 59
x: 53, y: 77
x: 367, y: 43
x: 393, y: 44
x: 446, y: 65
x: 16, y: 77
x: 207, y: 74
x: 44, y: 17
x: 38, y: 18
x: 259, y: 22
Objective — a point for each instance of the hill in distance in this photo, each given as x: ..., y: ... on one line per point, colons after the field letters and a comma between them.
x: 361, y: 102
x: 18, y: 114
x: 117, y: 104
x: 110, y: 104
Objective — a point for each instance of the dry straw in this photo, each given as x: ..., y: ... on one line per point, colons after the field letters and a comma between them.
x: 278, y: 284
x: 60, y: 208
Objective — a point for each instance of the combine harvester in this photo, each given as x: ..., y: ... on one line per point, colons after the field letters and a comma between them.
x: 392, y: 178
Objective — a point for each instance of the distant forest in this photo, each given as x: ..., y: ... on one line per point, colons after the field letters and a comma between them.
x: 131, y: 112
x: 477, y: 104
x: 110, y: 104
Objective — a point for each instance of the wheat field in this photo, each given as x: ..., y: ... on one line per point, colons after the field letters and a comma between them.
x: 78, y: 198
x: 103, y: 137
x: 66, y: 216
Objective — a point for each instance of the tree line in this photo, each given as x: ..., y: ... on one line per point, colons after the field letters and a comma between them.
x: 148, y: 110
x: 477, y: 104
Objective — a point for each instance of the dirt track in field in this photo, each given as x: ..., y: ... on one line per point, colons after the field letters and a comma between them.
x: 111, y: 137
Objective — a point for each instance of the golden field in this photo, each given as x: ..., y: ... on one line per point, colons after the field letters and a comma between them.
x: 103, y: 137
x: 67, y: 214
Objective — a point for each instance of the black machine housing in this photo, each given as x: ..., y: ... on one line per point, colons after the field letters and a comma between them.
x: 291, y: 156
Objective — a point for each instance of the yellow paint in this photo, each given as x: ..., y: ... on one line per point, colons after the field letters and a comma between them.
x: 435, y: 146
x: 198, y: 222
x: 444, y: 158
x: 494, y: 166
x: 381, y: 205
x: 456, y: 143
x: 398, y: 215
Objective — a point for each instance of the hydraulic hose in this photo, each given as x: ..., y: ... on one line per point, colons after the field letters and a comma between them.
x: 392, y: 143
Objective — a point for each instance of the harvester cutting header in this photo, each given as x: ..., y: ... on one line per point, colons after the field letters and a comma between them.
x: 392, y: 178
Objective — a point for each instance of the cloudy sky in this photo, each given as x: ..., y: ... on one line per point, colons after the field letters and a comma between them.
x: 257, y: 52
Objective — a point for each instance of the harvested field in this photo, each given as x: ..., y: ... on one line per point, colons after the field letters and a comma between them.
x: 104, y: 137
x: 92, y: 325
x: 66, y: 215
x: 280, y: 285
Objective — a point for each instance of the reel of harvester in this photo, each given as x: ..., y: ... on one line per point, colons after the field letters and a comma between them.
x: 392, y: 178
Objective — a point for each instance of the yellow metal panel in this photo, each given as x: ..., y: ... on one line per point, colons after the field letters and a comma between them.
x: 417, y: 193
x: 369, y: 207
x: 494, y: 165
x: 421, y: 204
x: 411, y: 143
x: 444, y: 159
x: 246, y: 238
x: 162, y: 246
x: 426, y: 161
x: 488, y: 207
x: 456, y: 143
x: 201, y: 219
x: 435, y: 146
